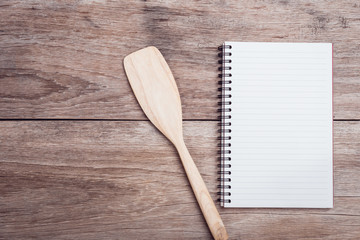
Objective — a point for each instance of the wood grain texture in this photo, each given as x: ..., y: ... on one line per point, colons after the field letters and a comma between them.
x: 124, y: 180
x: 63, y: 59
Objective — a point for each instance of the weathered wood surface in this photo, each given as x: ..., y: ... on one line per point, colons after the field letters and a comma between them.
x: 124, y: 180
x: 63, y: 59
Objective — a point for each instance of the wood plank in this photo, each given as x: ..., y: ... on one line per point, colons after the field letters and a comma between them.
x: 63, y: 59
x: 124, y: 180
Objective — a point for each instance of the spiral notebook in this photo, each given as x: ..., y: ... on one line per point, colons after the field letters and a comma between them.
x: 276, y: 125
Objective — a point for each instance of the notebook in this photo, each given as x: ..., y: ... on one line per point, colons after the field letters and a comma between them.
x: 276, y: 125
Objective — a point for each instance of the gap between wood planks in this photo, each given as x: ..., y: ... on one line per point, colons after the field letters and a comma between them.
x: 128, y: 120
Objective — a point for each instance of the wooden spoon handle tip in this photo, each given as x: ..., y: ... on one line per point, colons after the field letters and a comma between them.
x: 202, y: 195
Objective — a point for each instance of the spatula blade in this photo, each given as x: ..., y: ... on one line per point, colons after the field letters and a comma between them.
x: 155, y: 89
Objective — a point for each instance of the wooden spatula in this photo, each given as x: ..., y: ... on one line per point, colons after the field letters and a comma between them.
x: 155, y: 89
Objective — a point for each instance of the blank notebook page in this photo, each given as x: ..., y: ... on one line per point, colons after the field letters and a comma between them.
x: 281, y: 125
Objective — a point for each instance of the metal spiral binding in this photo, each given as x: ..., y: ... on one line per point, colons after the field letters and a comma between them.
x: 225, y: 124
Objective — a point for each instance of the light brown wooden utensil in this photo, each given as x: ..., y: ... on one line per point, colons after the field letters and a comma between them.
x: 155, y: 89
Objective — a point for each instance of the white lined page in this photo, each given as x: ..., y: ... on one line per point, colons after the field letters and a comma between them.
x: 281, y: 147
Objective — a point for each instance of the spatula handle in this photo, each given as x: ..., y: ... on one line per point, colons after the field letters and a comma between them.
x: 202, y: 195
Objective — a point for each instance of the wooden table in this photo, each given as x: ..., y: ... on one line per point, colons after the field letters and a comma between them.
x: 79, y: 160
